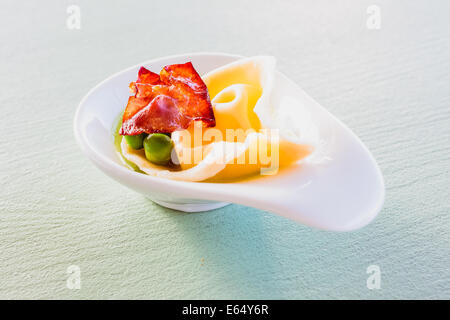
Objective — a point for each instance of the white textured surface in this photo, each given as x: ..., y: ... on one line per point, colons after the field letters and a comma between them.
x: 391, y: 86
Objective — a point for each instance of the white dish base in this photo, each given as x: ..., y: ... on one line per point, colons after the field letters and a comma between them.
x: 191, y: 207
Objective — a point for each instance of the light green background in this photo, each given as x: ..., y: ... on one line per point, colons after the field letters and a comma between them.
x: 391, y: 86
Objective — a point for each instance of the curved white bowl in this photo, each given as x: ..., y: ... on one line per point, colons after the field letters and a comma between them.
x: 344, y: 194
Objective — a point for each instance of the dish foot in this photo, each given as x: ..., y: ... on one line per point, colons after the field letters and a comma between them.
x: 191, y: 207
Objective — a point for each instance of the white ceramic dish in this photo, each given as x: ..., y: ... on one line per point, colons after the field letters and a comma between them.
x: 343, y: 194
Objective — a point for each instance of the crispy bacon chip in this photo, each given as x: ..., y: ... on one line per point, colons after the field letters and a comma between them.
x: 167, y: 102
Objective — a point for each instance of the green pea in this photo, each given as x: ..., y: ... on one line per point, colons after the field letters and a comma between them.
x: 136, y: 142
x: 158, y: 148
